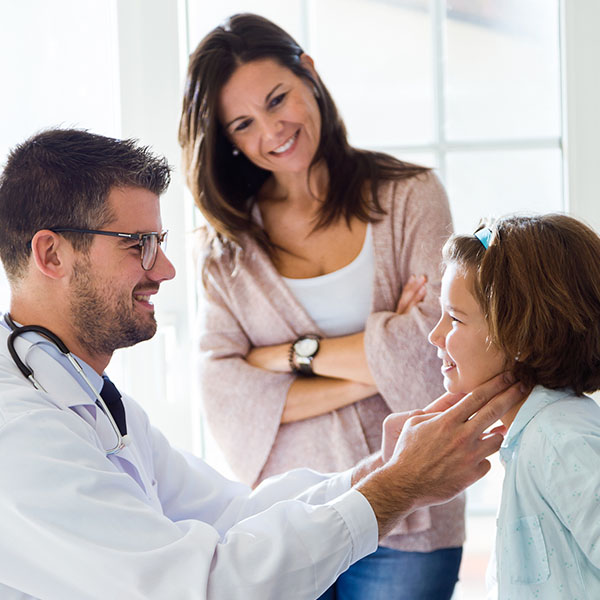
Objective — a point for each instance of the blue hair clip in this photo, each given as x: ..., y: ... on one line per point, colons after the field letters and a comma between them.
x: 484, y: 235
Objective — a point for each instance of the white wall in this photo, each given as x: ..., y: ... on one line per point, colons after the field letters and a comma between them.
x: 581, y: 44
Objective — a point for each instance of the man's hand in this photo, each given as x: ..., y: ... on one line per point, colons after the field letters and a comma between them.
x: 393, y: 424
x: 438, y: 454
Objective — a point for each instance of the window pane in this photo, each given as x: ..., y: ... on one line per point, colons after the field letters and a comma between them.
x: 503, y: 72
x: 375, y: 57
x: 425, y: 159
x: 495, y: 183
x: 59, y: 68
x: 66, y: 73
x: 205, y: 15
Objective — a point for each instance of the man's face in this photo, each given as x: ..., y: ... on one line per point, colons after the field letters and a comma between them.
x: 110, y: 293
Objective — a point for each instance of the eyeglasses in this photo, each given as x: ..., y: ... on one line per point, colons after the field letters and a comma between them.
x: 147, y: 242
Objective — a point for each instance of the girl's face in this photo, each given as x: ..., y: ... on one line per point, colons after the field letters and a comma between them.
x: 461, y: 336
x: 271, y: 115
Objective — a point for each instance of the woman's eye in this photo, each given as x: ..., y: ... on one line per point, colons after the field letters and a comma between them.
x: 277, y: 100
x: 454, y: 319
x: 243, y: 125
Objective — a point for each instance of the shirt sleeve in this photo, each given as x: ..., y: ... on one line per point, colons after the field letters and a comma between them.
x: 251, y: 404
x: 74, y: 526
x: 402, y: 362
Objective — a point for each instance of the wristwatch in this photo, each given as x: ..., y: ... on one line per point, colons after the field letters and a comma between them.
x: 302, y: 352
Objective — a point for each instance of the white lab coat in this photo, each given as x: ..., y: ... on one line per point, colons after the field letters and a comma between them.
x: 146, y: 523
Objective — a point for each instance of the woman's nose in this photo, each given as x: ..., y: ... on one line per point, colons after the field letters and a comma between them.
x: 271, y: 127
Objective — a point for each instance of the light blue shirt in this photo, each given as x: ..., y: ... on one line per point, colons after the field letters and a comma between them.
x: 548, y: 528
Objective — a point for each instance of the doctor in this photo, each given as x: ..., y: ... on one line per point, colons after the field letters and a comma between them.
x: 80, y: 242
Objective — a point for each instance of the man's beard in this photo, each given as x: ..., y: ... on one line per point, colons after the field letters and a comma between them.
x: 103, y: 320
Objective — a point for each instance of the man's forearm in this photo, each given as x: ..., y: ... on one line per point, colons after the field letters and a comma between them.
x: 366, y: 466
x: 391, y: 498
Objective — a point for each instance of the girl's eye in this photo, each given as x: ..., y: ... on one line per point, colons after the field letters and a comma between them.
x: 454, y: 319
x: 277, y: 100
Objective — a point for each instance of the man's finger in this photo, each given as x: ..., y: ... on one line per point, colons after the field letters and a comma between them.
x: 498, y: 407
x: 420, y: 418
x: 443, y: 403
x: 481, y: 396
x: 483, y: 468
x: 489, y: 445
x: 501, y: 429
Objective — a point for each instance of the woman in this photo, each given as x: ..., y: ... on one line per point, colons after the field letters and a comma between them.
x: 313, y: 330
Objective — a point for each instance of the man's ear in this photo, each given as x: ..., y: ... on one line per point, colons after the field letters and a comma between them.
x: 52, y: 254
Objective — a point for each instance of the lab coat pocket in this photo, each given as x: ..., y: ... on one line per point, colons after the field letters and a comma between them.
x: 527, y: 558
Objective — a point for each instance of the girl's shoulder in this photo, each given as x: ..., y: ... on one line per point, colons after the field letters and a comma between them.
x: 569, y: 427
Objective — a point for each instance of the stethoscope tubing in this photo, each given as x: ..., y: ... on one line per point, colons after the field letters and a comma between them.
x: 27, y: 372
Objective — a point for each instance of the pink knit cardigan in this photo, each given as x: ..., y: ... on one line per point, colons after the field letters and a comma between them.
x: 251, y: 306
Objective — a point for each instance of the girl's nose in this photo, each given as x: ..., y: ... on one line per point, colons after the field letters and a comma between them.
x: 436, y: 335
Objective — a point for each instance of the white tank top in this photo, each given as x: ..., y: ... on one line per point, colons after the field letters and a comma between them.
x: 340, y: 302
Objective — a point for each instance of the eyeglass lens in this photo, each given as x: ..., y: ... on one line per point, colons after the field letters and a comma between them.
x: 150, y: 245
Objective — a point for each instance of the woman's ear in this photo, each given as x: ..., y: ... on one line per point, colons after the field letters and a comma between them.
x: 308, y: 63
x: 52, y: 253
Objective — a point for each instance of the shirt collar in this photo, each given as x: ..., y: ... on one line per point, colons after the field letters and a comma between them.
x: 539, y: 398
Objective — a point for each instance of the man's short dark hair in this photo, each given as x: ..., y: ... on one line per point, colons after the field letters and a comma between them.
x: 62, y: 178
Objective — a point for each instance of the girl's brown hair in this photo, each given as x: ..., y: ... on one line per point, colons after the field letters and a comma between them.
x: 538, y: 284
x: 222, y: 183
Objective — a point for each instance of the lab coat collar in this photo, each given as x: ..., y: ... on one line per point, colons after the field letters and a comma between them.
x: 63, y: 387
x: 539, y: 398
x: 66, y: 390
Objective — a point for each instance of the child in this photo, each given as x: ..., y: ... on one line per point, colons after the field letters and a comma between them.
x: 524, y: 295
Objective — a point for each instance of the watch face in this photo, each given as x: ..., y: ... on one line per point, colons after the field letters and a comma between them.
x: 306, y: 347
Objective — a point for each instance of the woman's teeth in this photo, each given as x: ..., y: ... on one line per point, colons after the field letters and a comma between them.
x: 286, y: 146
x: 448, y: 363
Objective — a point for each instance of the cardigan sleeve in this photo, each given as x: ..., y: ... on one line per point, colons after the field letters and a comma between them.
x: 404, y: 365
x: 242, y: 404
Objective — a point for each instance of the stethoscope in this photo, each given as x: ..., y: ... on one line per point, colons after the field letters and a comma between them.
x: 16, y: 331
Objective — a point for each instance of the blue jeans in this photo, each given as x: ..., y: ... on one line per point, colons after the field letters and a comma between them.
x: 395, y: 575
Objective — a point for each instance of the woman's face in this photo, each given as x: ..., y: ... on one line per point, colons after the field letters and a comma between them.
x: 271, y: 115
x: 461, y: 336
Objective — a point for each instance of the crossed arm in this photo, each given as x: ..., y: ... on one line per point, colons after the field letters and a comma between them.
x: 343, y: 375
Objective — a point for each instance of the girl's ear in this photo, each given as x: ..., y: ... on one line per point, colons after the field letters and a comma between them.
x: 52, y: 254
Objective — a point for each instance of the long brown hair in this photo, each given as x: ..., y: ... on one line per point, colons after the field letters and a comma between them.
x: 538, y: 284
x: 222, y: 183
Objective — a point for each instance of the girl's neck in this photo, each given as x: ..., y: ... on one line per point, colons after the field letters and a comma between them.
x: 509, y: 417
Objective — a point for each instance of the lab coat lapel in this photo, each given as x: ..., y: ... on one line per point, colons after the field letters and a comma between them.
x: 62, y: 389
x: 66, y: 393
